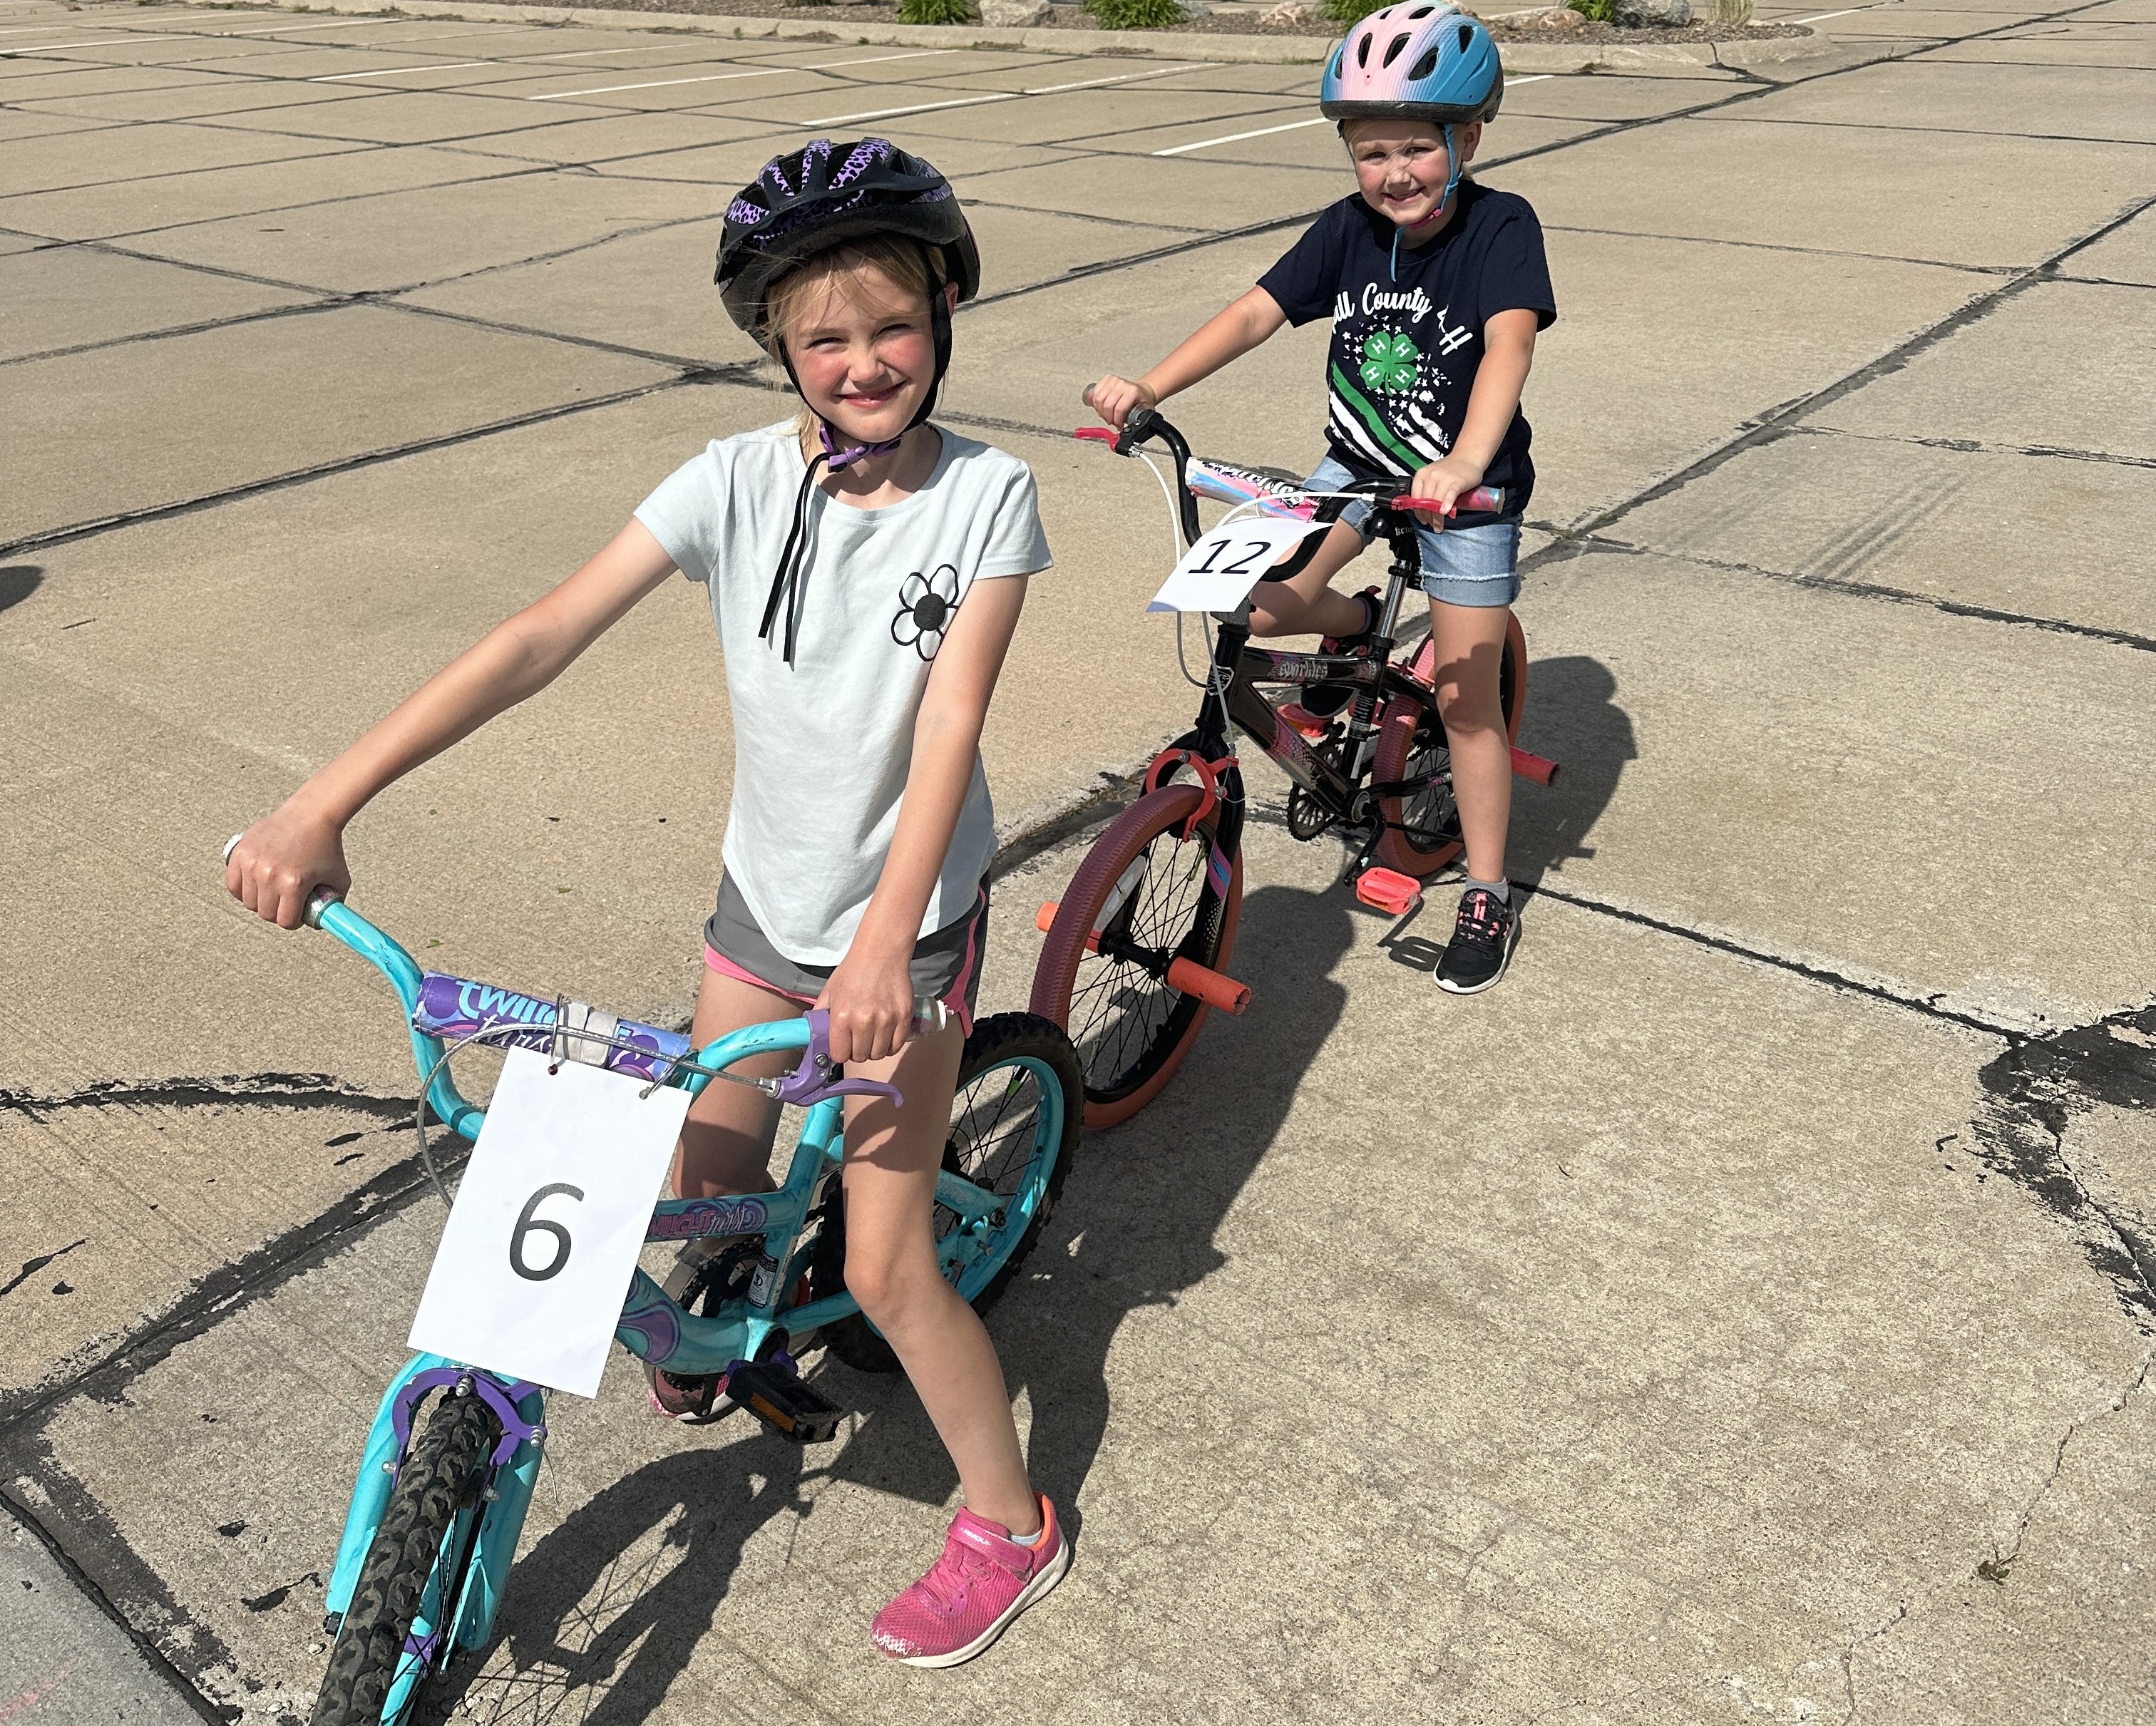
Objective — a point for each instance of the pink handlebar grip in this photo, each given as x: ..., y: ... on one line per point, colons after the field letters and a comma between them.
x: 1481, y: 501
x: 1094, y: 434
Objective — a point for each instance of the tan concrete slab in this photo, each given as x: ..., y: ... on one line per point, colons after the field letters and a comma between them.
x: 16, y: 124
x: 401, y: 239
x: 2037, y: 101
x: 65, y: 296
x: 144, y: 153
x: 176, y: 201
x: 1606, y: 96
x: 2030, y: 535
x: 581, y: 294
x: 2127, y: 255
x: 1089, y: 117
x: 53, y: 84
x: 199, y: 98
x: 1657, y: 1476
x: 364, y: 114
x: 621, y: 141
x: 1953, y: 199
x: 754, y: 143
x: 262, y: 399
x: 2019, y: 377
x: 1184, y: 190
x: 2057, y: 46
x: 1874, y: 765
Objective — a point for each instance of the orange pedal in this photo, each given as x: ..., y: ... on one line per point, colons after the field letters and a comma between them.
x: 1185, y: 977
x: 1044, y: 918
x: 1388, y: 890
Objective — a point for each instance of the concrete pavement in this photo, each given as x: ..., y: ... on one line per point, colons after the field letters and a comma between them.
x: 1743, y: 1311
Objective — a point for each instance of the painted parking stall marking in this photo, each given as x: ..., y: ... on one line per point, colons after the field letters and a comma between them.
x: 1006, y: 95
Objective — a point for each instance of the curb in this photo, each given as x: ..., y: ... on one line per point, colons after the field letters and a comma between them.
x: 1263, y: 50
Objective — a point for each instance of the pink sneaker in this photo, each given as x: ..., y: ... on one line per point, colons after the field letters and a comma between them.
x: 984, y: 1580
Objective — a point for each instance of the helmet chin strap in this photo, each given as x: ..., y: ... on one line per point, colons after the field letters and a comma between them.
x: 1452, y: 156
x: 837, y: 456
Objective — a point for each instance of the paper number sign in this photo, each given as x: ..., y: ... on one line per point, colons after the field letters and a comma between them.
x: 1217, y: 572
x: 544, y: 1236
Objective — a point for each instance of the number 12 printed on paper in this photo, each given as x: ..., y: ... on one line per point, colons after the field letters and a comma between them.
x: 1220, y: 568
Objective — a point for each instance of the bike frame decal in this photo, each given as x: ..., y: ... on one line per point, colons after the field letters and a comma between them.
x: 455, y: 1007
x: 1218, y: 870
x: 1273, y: 495
x: 693, y: 1218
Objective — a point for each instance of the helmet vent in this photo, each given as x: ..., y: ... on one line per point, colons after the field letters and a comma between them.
x: 1393, y: 53
x: 1363, y: 52
x: 1423, y: 67
x: 1466, y: 36
x: 1421, y: 11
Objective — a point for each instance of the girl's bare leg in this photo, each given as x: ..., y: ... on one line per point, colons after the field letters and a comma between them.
x: 1306, y: 604
x: 1469, y: 646
x: 892, y: 1157
x: 726, y: 1142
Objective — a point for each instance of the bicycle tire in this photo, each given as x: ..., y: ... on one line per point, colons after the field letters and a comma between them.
x: 984, y: 1145
x: 441, y: 1476
x: 1411, y: 744
x: 1194, y: 920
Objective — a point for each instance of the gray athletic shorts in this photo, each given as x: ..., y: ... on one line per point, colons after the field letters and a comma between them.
x: 946, y: 964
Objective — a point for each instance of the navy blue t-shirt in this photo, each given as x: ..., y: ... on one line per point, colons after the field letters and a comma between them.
x: 1407, y: 331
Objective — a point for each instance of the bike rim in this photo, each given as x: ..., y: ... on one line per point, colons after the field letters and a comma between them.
x: 1120, y: 1012
x: 1007, y: 1126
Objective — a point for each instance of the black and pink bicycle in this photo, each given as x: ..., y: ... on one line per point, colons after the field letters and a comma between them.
x: 1138, y: 946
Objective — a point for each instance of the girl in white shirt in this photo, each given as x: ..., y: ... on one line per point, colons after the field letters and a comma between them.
x: 866, y: 570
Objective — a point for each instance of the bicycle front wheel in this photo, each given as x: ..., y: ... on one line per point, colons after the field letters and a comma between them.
x: 1149, y: 895
x: 398, y: 1630
x: 1423, y: 827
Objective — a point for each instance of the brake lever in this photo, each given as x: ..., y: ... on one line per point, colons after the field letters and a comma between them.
x: 819, y: 1076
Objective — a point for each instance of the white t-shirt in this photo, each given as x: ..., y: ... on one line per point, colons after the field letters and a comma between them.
x: 821, y: 747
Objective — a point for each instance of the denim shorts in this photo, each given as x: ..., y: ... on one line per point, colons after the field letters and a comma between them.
x: 1461, y: 566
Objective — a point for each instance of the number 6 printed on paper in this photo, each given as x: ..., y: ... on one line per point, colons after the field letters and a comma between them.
x: 528, y: 1224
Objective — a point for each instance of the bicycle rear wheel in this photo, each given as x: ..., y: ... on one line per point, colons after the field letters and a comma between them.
x: 397, y: 1633
x: 1014, y: 1122
x: 1153, y: 896
x: 1423, y: 828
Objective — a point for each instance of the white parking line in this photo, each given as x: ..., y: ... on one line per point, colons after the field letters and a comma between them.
x: 1006, y: 95
x: 1821, y: 17
x: 94, y: 41
x: 391, y: 71
x: 606, y: 90
x: 1263, y: 131
x: 1295, y: 125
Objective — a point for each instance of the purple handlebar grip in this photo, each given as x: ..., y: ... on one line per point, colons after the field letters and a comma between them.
x: 454, y: 1007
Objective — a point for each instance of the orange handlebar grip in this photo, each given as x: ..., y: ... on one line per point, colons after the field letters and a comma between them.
x: 1210, y: 986
x: 1528, y: 765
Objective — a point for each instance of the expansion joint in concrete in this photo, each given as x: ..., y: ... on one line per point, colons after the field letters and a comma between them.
x: 1871, y: 590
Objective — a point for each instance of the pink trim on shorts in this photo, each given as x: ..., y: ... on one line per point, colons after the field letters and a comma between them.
x: 955, y: 998
x: 717, y: 961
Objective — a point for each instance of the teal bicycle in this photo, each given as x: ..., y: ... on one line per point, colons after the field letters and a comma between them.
x: 454, y: 1453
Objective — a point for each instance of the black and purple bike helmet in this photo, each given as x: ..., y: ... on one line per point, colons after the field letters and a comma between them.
x: 813, y: 200
x: 822, y: 196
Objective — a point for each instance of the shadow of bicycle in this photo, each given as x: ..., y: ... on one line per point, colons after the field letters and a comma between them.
x: 603, y: 1613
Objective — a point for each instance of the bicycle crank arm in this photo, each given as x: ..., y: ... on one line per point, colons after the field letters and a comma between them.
x: 1184, y: 976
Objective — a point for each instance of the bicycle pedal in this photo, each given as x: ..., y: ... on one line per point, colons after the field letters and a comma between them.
x: 1389, y: 891
x: 1313, y: 728
x: 795, y: 1411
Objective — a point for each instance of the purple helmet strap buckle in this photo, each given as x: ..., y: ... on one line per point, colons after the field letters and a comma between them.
x: 501, y: 1398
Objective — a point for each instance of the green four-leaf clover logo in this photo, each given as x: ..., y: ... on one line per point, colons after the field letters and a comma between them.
x: 1389, y: 362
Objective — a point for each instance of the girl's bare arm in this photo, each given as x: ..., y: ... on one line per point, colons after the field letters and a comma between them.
x: 870, y: 994
x: 1228, y: 335
x: 285, y: 856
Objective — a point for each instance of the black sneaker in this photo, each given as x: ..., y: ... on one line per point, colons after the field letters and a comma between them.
x: 1323, y: 701
x: 1483, y: 937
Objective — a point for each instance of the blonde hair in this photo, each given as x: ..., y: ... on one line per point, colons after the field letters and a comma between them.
x: 842, y: 271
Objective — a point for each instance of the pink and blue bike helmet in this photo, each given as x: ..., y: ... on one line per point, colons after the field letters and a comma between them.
x: 1420, y: 62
